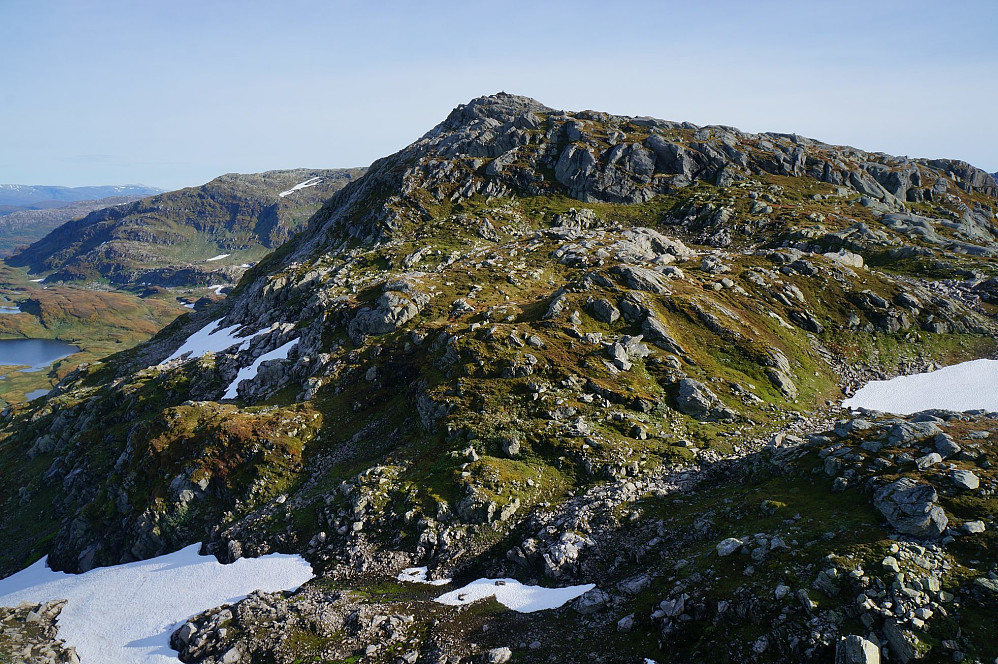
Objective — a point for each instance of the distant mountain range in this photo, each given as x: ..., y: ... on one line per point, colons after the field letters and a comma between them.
x: 14, y: 197
x: 197, y: 236
x: 21, y: 228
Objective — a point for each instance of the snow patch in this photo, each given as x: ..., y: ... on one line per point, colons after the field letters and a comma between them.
x: 249, y: 373
x: 966, y: 386
x: 418, y: 575
x: 212, y: 339
x: 38, y: 281
x: 311, y: 182
x: 514, y: 595
x: 218, y: 257
x: 217, y: 288
x: 126, y: 613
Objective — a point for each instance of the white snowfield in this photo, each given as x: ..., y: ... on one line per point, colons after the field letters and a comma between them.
x: 966, y: 386
x: 311, y: 182
x: 219, y: 257
x: 125, y: 614
x: 249, y: 373
x: 514, y: 595
x: 418, y: 575
x: 212, y: 339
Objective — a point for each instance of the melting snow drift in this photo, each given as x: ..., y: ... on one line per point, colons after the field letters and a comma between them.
x: 212, y: 339
x: 514, y: 595
x: 219, y: 257
x: 966, y: 386
x: 311, y: 182
x: 418, y: 575
x: 249, y: 373
x: 126, y: 613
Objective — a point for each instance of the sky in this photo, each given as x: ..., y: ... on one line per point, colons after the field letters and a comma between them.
x: 172, y: 93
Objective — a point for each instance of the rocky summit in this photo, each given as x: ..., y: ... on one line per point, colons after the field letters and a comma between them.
x: 562, y: 348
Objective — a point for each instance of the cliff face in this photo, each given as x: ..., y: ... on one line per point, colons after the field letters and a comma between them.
x: 527, y: 339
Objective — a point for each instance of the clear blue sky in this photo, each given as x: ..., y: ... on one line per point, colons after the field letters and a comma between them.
x: 172, y: 93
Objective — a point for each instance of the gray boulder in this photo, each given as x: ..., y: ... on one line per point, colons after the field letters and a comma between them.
x: 925, y: 462
x: 591, y: 601
x: 946, y: 446
x: 603, y: 310
x: 909, y: 433
x: 642, y: 278
x: 855, y: 649
x: 903, y: 643
x: 910, y: 508
x: 728, y: 546
x: 498, y: 656
x: 657, y: 333
x: 965, y: 479
x: 393, y: 310
x: 695, y: 400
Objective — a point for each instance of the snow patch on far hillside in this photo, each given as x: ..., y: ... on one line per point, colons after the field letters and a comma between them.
x: 311, y: 182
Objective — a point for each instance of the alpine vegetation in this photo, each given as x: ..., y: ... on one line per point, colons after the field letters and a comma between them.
x: 561, y: 386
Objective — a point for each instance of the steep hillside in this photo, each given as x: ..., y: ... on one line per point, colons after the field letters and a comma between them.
x: 197, y: 236
x: 40, y: 197
x: 564, y: 348
x: 21, y: 228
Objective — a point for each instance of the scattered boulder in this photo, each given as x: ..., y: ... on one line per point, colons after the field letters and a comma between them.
x: 603, y: 310
x: 728, y: 546
x: 925, y: 462
x: 498, y: 655
x: 946, y: 446
x: 910, y: 508
x: 903, y: 642
x: 591, y: 601
x: 643, y: 279
x: 695, y: 400
x: 855, y: 649
x: 965, y: 479
x: 909, y: 433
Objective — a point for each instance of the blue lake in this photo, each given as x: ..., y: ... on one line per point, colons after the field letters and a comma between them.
x: 36, y: 354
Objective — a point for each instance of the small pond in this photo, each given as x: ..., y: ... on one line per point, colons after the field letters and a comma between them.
x: 36, y: 354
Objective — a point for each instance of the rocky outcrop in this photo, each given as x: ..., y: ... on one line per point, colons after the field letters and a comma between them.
x: 910, y: 507
x: 29, y: 635
x: 694, y: 399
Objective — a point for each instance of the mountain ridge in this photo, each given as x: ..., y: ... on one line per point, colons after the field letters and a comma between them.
x: 22, y: 227
x: 49, y: 195
x: 157, y: 240
x: 528, y: 338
